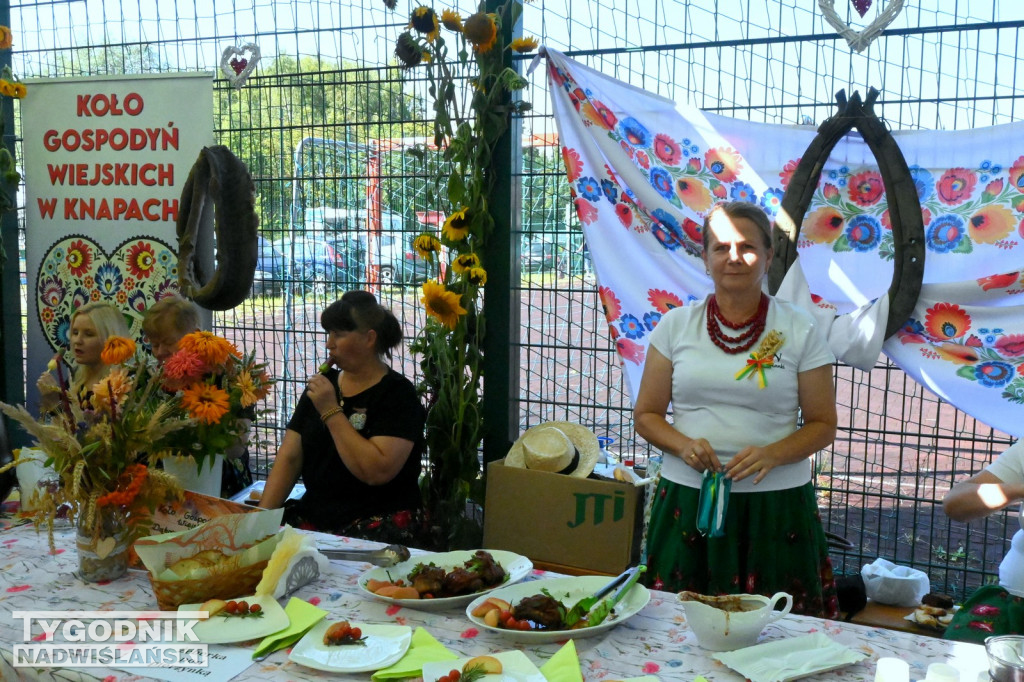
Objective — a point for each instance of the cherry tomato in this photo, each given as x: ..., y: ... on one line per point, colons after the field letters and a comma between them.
x: 243, y: 606
x: 524, y: 625
x: 255, y: 608
x: 355, y: 633
x: 231, y: 607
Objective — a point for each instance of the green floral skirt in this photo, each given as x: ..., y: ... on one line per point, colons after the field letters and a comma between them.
x: 773, y: 542
x: 989, y: 611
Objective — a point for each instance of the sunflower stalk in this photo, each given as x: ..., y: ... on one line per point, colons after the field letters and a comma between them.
x: 470, y: 92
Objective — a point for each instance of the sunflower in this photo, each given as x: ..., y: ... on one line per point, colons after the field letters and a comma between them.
x: 205, y: 402
x: 441, y: 304
x: 6, y: 37
x: 424, y: 20
x: 19, y: 90
x: 456, y: 227
x: 212, y: 349
x: 6, y: 87
x: 477, y: 277
x: 465, y: 262
x: 481, y: 30
x: 523, y: 45
x: 407, y: 51
x: 116, y: 350
x: 451, y: 20
x: 426, y: 246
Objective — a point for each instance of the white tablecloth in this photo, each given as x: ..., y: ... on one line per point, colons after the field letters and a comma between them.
x: 656, y: 641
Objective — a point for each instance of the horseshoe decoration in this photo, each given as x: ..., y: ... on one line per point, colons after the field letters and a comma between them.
x: 219, y: 190
x: 904, y: 205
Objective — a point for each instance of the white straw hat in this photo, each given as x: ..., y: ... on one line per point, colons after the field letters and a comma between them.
x: 557, y: 448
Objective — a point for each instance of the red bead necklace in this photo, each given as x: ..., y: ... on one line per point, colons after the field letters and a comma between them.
x: 753, y: 327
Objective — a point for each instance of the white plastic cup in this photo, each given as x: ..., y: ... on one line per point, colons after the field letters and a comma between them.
x: 942, y: 672
x: 892, y: 670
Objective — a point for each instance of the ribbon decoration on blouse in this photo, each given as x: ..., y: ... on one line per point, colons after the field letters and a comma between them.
x: 755, y: 366
x: 762, y: 358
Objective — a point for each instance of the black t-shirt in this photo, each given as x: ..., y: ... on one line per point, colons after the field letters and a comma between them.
x: 334, y: 496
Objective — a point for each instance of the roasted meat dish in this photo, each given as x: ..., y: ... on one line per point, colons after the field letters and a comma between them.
x: 543, y: 610
x: 427, y: 579
x: 478, y: 573
x: 489, y: 570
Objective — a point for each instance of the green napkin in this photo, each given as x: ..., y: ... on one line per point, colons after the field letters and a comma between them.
x: 301, y: 617
x: 564, y: 666
x: 423, y: 649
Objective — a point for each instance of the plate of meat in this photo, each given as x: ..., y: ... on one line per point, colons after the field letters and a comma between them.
x: 444, y: 580
x: 539, y: 608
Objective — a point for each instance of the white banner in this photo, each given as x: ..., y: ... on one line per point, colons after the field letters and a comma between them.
x: 105, y: 162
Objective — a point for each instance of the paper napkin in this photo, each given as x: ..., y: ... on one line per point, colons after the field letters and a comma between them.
x: 301, y: 616
x: 564, y: 666
x: 423, y: 649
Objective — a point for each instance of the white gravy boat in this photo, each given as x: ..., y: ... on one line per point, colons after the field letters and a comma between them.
x: 732, y: 621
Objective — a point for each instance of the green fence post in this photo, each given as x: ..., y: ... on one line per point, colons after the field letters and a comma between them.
x: 501, y: 303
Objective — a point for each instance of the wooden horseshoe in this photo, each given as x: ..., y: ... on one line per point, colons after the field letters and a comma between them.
x: 901, y: 194
x: 219, y: 193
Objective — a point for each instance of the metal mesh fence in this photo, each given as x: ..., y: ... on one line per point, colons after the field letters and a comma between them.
x: 325, y: 120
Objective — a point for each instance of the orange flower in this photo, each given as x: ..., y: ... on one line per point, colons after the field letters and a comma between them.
x: 211, y: 349
x: 990, y: 224
x: 111, y: 390
x: 116, y: 350
x: 956, y: 353
x: 205, y: 402
x: 247, y: 386
x: 947, y: 321
x: 823, y: 226
x: 694, y: 194
x: 132, y: 479
x: 6, y: 38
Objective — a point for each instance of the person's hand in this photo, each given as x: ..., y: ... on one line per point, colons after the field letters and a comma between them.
x: 321, y: 392
x: 699, y: 454
x: 751, y: 460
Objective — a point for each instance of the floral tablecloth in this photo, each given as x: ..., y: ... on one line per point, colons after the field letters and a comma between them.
x: 656, y: 641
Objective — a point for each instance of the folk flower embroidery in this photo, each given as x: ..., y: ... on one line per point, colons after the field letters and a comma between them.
x: 762, y: 358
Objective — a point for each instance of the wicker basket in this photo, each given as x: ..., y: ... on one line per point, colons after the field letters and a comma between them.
x: 240, y: 582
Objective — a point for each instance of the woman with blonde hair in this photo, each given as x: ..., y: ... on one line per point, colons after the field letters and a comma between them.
x: 91, y: 325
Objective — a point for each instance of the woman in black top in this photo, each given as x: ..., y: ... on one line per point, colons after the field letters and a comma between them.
x: 356, y: 436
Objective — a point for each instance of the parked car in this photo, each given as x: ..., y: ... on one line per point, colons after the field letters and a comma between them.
x: 540, y: 255
x: 270, y: 269
x: 311, y: 265
x: 392, y: 251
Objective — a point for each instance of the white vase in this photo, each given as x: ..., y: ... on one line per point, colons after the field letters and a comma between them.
x: 207, y: 481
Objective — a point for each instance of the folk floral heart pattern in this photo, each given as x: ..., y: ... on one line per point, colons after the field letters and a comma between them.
x: 76, y: 270
x: 859, y: 40
x: 237, y: 63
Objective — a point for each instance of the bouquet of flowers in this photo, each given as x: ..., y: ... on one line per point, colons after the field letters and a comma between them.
x: 218, y: 388
x: 98, y: 447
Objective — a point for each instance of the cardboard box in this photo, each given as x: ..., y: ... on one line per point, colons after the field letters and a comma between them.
x: 582, y: 523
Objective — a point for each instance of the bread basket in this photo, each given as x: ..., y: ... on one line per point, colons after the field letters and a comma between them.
x: 237, y: 582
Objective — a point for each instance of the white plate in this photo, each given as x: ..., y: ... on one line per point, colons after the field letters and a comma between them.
x: 515, y: 667
x: 568, y: 591
x: 516, y: 568
x: 768, y: 662
x: 385, y: 645
x: 229, y: 629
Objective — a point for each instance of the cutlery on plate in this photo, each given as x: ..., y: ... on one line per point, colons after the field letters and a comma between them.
x: 385, y: 556
x: 583, y: 606
x: 599, y: 611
